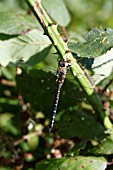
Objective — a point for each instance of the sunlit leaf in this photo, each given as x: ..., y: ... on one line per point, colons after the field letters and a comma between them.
x: 22, y: 47
x: 103, y: 65
x: 79, y: 162
x: 97, y: 42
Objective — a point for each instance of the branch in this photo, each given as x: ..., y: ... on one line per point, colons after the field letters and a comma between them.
x: 50, y: 29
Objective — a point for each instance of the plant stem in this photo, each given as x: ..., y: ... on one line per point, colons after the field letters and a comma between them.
x: 50, y: 29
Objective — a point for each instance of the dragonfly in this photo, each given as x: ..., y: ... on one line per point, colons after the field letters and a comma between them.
x: 61, y: 74
x: 63, y: 66
x: 45, y: 77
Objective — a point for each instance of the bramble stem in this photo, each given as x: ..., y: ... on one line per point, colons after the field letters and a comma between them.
x: 50, y: 29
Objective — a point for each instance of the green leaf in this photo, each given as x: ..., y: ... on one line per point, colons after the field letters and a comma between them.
x: 97, y: 45
x: 36, y: 58
x: 75, y: 163
x: 105, y: 147
x: 77, y: 124
x: 42, y: 90
x: 6, y: 5
x: 98, y: 41
x: 38, y: 93
x: 58, y: 11
x: 22, y: 47
x: 6, y: 123
x: 9, y: 72
x: 12, y: 23
x: 33, y: 142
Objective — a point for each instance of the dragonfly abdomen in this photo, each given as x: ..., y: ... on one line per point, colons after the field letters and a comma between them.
x: 55, y: 106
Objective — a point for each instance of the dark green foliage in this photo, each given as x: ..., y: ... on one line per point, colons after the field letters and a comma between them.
x: 76, y: 124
